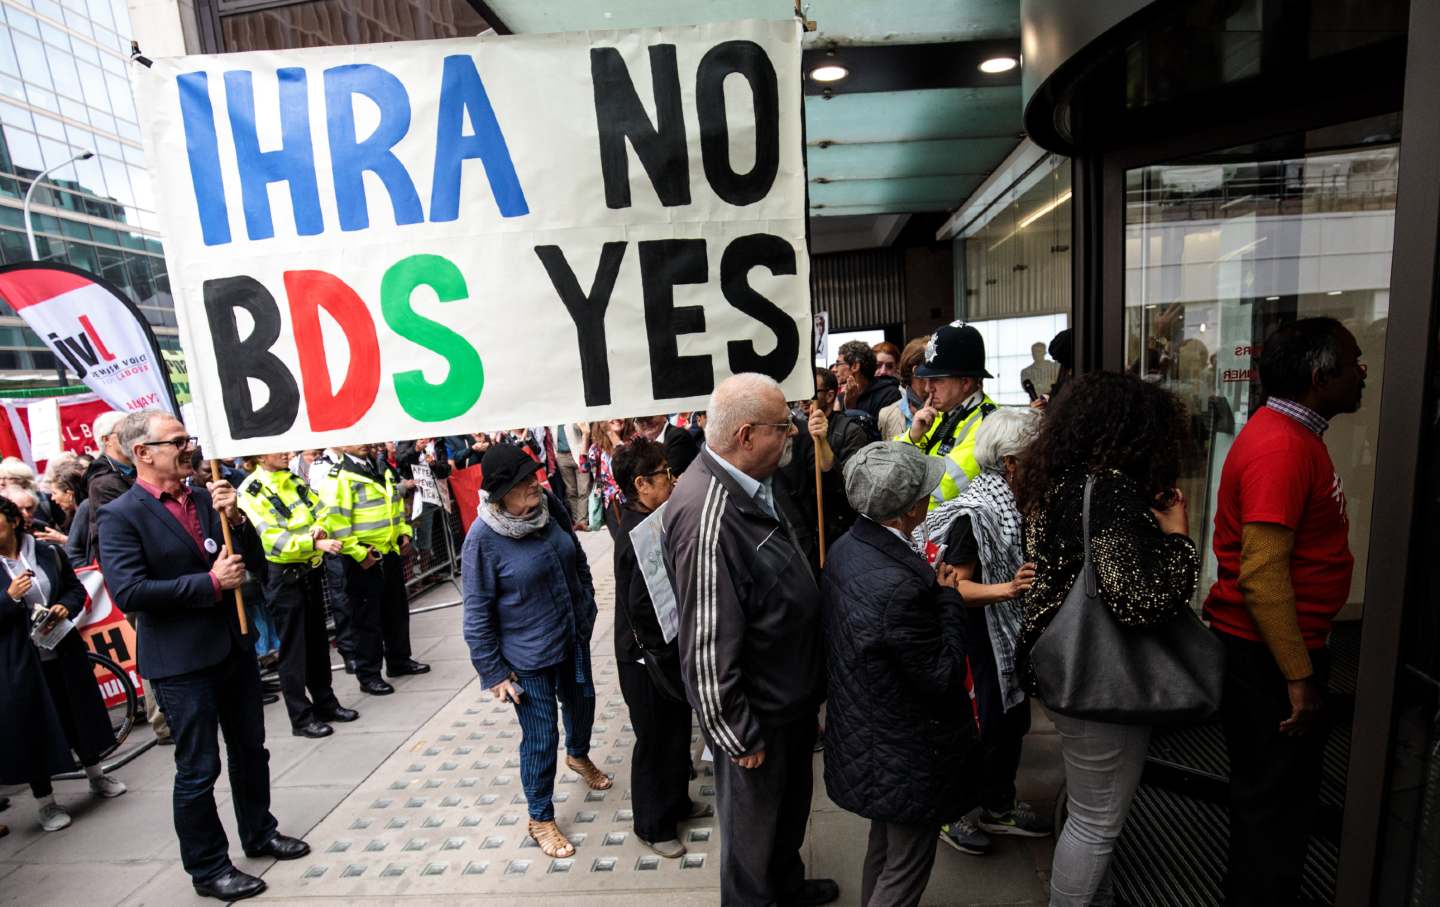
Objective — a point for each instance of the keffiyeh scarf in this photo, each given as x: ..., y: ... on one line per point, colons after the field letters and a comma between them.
x: 995, y: 519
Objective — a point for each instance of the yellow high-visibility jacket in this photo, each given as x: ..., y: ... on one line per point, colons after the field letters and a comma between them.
x: 958, y: 449
x: 283, y: 510
x: 363, y: 510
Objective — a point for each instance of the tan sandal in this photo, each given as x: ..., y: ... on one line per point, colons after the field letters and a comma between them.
x: 589, y: 772
x: 552, y: 841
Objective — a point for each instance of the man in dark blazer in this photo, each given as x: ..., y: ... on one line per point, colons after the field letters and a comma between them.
x: 679, y: 444
x: 163, y: 554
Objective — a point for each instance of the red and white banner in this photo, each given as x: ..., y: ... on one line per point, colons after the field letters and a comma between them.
x: 77, y: 414
x: 105, y: 630
x: 94, y: 329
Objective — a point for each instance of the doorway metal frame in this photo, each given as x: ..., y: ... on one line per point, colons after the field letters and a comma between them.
x: 1099, y: 317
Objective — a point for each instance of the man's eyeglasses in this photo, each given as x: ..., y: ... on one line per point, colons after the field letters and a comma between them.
x: 185, y: 443
x: 659, y: 472
x: 782, y: 426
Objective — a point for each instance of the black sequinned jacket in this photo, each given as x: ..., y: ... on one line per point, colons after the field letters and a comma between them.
x: 1146, y: 575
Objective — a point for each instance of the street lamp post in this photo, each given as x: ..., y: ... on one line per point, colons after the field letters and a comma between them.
x: 30, y: 232
x: 25, y: 209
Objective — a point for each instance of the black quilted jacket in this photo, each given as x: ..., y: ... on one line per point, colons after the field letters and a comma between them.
x: 898, y: 724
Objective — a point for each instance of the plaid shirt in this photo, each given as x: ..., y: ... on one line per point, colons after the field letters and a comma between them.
x: 1302, y: 414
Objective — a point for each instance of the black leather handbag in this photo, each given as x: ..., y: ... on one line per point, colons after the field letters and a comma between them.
x: 1088, y: 665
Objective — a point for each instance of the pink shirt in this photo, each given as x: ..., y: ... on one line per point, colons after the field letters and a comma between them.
x: 182, y: 508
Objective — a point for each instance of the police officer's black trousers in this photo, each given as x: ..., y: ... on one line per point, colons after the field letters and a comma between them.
x: 297, y: 601
x: 379, y: 615
x: 334, y: 567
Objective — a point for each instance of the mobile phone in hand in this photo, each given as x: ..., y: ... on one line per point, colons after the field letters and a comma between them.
x: 1030, y: 389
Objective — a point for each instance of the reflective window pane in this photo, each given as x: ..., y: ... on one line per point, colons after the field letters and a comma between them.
x: 31, y: 54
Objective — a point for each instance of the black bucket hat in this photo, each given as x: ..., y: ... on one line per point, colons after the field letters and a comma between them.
x: 503, y: 467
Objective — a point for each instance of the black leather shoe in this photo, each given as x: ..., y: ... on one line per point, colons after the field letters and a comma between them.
x: 282, y: 847
x: 231, y: 885
x: 813, y: 892
x: 314, y: 730
x: 376, y: 687
x: 270, y: 686
x: 409, y: 666
x: 269, y: 699
x: 349, y: 666
x: 340, y: 714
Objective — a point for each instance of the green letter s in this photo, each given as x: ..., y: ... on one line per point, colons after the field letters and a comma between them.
x: 461, y: 388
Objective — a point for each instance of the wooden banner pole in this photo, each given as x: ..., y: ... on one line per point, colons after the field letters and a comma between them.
x: 819, y: 496
x: 230, y: 549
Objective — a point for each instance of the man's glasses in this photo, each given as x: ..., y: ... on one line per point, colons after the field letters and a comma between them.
x: 659, y: 472
x: 782, y: 426
x: 185, y: 443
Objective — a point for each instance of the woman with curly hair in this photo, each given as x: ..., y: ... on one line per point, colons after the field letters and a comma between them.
x: 1128, y: 436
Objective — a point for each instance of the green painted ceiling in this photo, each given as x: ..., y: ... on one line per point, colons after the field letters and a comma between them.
x: 869, y: 153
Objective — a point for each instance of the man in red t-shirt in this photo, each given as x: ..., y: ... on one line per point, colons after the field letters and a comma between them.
x: 1281, y: 540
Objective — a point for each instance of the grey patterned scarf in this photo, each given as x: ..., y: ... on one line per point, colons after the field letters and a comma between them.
x: 509, y: 525
x: 995, y: 518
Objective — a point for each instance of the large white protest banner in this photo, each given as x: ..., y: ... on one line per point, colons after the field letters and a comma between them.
x: 409, y: 240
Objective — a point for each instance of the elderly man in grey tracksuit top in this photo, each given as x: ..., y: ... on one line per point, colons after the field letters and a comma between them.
x: 750, y: 643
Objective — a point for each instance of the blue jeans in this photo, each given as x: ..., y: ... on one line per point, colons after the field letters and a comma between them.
x: 539, y: 738
x: 199, y: 705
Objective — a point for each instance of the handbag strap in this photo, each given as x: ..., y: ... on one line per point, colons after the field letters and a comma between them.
x: 1092, y: 581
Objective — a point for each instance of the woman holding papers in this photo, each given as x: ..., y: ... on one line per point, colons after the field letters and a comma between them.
x: 51, y: 703
x: 649, y: 667
x: 529, y: 613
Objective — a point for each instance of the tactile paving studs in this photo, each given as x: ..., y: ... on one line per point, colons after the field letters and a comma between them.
x: 397, y: 823
x: 647, y: 864
x: 475, y: 869
x: 625, y: 815
x: 492, y: 842
x: 502, y: 780
x: 561, y: 797
x: 508, y: 820
x: 451, y: 801
x: 453, y: 844
x: 375, y: 846
x: 488, y: 799
x: 699, y: 835
x: 586, y: 817
x: 432, y: 784
x: 595, y: 796
x: 560, y: 865
x: 399, y: 785
x: 615, y: 839
x: 415, y: 802
x: 470, y: 822
x: 414, y: 844
x: 361, y: 823
x: 338, y: 847
x: 434, y: 869
x: 314, y: 872
x: 517, y: 867
x: 381, y: 804
x: 603, y: 864
x: 692, y: 861
x: 353, y: 871
x: 577, y: 839
x: 392, y: 871
x: 433, y: 822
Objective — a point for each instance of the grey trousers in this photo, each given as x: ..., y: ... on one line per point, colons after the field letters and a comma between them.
x: 577, y: 486
x: 763, y: 813
x: 897, y: 864
x: 1103, y: 763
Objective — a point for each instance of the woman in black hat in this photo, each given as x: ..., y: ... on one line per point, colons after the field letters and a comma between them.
x: 529, y: 613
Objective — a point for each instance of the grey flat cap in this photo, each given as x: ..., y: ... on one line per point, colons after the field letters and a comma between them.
x: 887, y: 478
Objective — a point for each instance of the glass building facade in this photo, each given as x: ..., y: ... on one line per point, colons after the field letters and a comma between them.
x: 65, y: 89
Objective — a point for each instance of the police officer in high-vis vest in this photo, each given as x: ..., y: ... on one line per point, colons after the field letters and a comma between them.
x: 365, y: 512
x: 954, y: 369
x: 288, y: 516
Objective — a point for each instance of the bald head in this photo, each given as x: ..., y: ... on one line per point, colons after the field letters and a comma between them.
x: 749, y: 423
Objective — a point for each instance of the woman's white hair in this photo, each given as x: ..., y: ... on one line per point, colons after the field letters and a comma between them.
x: 18, y: 473
x: 737, y: 400
x: 1004, y: 433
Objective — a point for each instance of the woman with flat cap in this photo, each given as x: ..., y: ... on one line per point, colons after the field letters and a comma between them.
x: 529, y: 612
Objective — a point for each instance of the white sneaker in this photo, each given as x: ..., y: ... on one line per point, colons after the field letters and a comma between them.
x: 53, y: 817
x: 107, y: 787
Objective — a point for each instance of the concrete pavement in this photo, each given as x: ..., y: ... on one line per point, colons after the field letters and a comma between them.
x: 421, y: 799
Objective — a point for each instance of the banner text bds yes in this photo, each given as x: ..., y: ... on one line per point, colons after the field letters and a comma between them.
x: 496, y: 232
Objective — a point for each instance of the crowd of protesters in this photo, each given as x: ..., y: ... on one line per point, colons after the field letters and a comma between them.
x: 899, y: 549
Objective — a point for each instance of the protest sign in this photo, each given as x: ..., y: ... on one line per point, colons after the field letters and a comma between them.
x: 94, y: 329
x: 77, y: 414
x: 45, y: 441
x: 438, y: 237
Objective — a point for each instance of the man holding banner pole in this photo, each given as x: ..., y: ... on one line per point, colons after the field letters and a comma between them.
x: 161, y: 547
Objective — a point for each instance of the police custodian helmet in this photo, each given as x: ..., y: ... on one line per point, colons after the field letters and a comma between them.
x: 955, y: 351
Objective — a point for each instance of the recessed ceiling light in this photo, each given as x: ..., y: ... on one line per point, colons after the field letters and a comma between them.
x: 999, y: 64
x: 829, y: 72
x: 1271, y: 298
x: 1333, y: 293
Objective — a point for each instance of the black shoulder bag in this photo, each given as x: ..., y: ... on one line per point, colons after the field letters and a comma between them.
x: 1088, y: 665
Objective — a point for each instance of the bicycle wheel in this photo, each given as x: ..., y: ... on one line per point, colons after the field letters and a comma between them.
x: 115, y: 682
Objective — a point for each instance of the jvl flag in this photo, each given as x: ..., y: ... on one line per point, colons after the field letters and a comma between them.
x: 92, y: 328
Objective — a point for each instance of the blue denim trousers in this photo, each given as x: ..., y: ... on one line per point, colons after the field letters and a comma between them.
x: 224, y: 698
x: 546, y: 691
